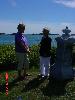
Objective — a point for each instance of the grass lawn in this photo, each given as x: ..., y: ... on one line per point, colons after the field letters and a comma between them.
x: 34, y: 88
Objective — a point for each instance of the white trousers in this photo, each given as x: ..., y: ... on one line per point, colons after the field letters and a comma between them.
x: 44, y: 65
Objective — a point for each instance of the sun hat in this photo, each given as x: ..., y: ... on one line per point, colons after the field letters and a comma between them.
x: 45, y: 29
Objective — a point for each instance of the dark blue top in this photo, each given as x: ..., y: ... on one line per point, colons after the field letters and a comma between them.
x: 20, y: 38
x: 45, y: 47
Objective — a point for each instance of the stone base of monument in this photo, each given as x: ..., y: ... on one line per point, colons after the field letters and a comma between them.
x: 67, y: 73
x: 62, y: 73
x: 74, y: 71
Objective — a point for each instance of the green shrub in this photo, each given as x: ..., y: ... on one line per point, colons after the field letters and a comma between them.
x: 34, y: 56
x: 8, y: 58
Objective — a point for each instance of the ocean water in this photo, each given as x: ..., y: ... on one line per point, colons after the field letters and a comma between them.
x: 32, y: 39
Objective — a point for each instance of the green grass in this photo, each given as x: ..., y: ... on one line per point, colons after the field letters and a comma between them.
x: 34, y: 88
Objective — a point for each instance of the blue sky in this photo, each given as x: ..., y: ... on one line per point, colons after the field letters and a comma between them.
x: 36, y: 14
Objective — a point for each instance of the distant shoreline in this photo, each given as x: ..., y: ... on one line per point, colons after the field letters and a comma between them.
x: 2, y: 33
x: 32, y: 34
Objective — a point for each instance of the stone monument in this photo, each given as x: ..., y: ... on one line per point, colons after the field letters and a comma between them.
x: 62, y: 69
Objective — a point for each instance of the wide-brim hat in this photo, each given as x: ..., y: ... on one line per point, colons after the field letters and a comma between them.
x: 45, y: 29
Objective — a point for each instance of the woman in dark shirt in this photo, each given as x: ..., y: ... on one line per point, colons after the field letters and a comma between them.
x: 45, y: 47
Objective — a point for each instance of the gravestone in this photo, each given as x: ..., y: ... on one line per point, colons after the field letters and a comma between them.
x: 62, y: 69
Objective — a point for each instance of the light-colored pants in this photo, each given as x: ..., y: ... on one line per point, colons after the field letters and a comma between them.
x: 44, y: 65
x: 23, y: 60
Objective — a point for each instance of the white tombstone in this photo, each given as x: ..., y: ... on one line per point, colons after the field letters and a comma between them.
x: 62, y: 68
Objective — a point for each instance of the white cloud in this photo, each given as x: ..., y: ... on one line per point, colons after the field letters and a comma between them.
x: 67, y: 3
x: 35, y: 27
x: 13, y: 2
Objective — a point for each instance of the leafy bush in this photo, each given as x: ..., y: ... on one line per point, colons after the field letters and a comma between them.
x: 34, y: 56
x: 7, y: 56
x: 8, y: 59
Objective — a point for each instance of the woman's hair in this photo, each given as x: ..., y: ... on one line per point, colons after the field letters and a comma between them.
x: 21, y: 26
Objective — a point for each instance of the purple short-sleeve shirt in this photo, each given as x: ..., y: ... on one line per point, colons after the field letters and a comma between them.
x: 21, y: 38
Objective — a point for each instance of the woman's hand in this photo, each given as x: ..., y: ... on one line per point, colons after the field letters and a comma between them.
x: 28, y: 51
